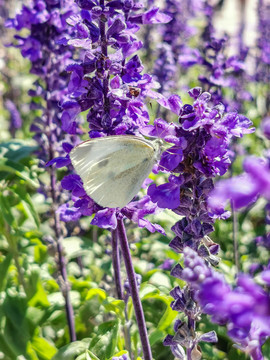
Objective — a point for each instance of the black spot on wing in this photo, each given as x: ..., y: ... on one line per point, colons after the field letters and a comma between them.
x: 103, y: 163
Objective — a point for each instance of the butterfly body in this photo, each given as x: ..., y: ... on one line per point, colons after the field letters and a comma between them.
x: 113, y: 168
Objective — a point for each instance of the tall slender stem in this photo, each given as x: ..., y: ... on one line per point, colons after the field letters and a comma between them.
x: 116, y: 260
x: 235, y: 242
x: 104, y: 50
x: 116, y: 265
x: 189, y: 354
x: 134, y: 291
x: 191, y: 323
x: 62, y: 263
x: 242, y: 25
x: 64, y: 286
x: 58, y: 233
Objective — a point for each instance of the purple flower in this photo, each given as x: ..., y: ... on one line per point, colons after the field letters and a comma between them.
x: 266, y: 276
x: 73, y: 183
x: 265, y: 126
x: 46, y: 22
x: 105, y: 219
x: 161, y: 129
x: 137, y: 210
x: 189, y: 57
x: 201, y: 149
x: 263, y: 241
x: 167, y: 264
x: 173, y: 103
x: 171, y: 158
x: 175, y: 34
x: 217, y: 70
x: 245, y: 309
x: 153, y: 16
x: 244, y: 189
x: 166, y: 195
x: 15, y: 117
x: 68, y: 213
x: 165, y: 68
x: 263, y: 57
x: 187, y: 338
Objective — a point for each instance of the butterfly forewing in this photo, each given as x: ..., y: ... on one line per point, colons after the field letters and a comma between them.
x: 113, y: 168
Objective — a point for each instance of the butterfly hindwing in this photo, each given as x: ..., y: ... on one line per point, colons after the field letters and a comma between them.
x: 113, y: 168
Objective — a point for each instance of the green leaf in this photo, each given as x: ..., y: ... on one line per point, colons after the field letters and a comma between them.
x: 156, y: 336
x: 266, y: 349
x: 120, y: 353
x: 116, y: 306
x: 27, y: 202
x: 57, y: 298
x: 43, y: 348
x: 6, y: 347
x: 104, y: 343
x: 31, y: 354
x: 4, y: 266
x: 5, y: 208
x: 99, y: 293
x: 16, y: 330
x: 11, y: 167
x: 73, y: 247
x: 40, y: 251
x: 88, y: 355
x: 35, y: 317
x: 70, y: 351
x: 17, y: 149
x: 36, y: 295
x: 169, y: 314
x: 147, y: 291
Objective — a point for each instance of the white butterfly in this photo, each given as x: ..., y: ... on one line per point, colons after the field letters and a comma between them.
x: 113, y: 168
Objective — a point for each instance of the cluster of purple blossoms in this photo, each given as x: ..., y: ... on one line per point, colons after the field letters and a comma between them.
x: 107, y: 81
x: 265, y: 126
x: 45, y: 21
x: 200, y: 152
x: 245, y: 309
x: 262, y: 70
x: 177, y: 32
x: 263, y: 42
x: 174, y: 37
x: 264, y: 240
x: 165, y: 69
x: 244, y: 189
x: 221, y: 72
x: 15, y: 117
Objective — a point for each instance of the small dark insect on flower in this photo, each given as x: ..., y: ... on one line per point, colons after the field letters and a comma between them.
x: 134, y: 91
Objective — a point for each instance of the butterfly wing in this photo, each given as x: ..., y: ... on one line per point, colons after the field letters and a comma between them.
x: 113, y: 168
